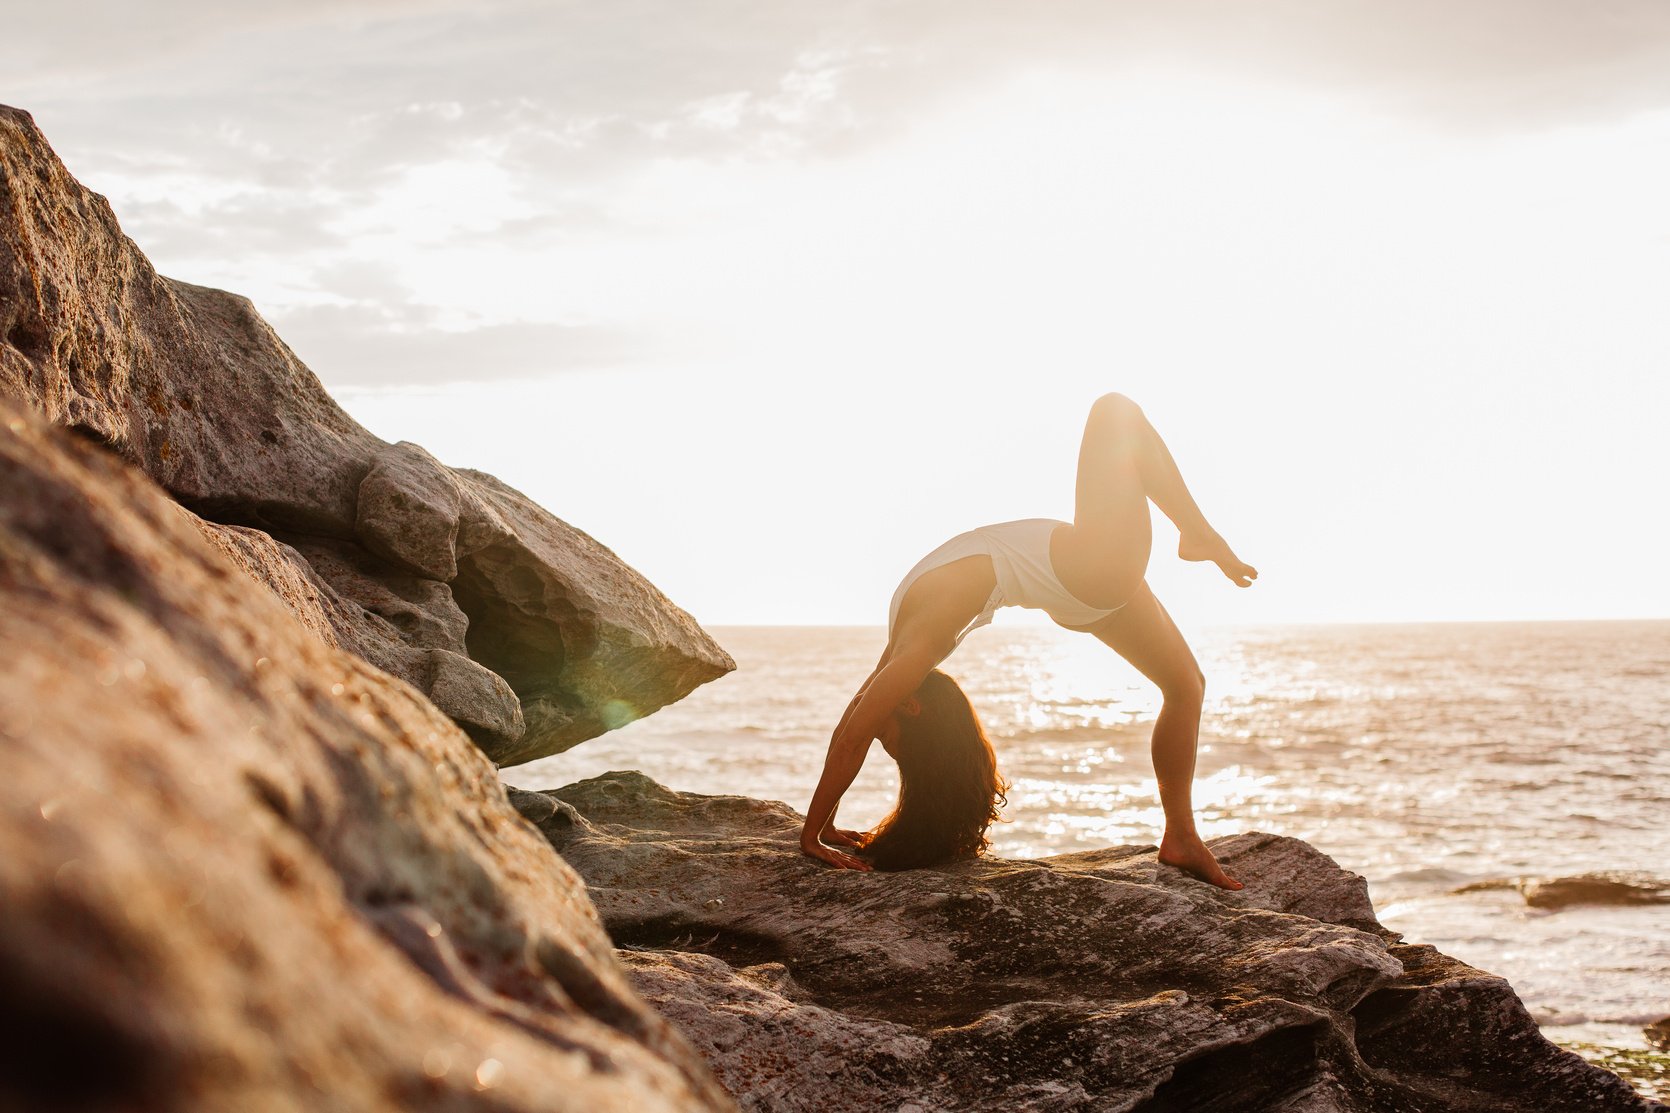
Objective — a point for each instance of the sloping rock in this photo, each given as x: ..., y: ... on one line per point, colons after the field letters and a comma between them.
x: 241, y: 869
x: 1092, y: 981
x: 191, y: 385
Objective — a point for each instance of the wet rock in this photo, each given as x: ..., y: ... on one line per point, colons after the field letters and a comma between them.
x: 1089, y: 981
x: 193, y: 387
x: 243, y: 869
x: 1602, y: 887
x: 1658, y: 1033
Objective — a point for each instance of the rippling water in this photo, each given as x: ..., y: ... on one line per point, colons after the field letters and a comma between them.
x: 1450, y: 764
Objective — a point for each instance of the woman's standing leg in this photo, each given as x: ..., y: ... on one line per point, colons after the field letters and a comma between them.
x: 1143, y: 633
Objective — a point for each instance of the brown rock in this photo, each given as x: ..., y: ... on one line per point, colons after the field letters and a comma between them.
x: 1091, y: 981
x: 1618, y: 887
x: 286, y: 574
x: 241, y: 869
x: 579, y: 635
x: 405, y: 626
x: 193, y: 387
x: 407, y: 511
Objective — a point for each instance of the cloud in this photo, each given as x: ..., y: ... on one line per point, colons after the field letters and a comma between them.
x: 368, y: 345
x: 349, y: 83
x: 276, y: 149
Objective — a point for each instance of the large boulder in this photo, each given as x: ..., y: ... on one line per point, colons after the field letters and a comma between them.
x: 193, y: 387
x: 242, y: 869
x: 1092, y: 981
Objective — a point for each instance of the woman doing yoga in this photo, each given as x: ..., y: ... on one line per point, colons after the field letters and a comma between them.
x: 1088, y: 575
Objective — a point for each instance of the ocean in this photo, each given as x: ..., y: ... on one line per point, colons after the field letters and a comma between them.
x: 1505, y: 787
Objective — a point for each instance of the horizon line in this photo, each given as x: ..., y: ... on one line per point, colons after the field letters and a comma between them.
x: 1231, y: 625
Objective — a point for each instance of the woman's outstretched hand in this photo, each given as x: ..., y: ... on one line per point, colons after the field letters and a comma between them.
x: 837, y: 837
x: 837, y: 858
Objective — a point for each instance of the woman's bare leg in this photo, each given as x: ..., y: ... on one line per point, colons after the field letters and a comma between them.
x: 1120, y: 452
x: 1143, y: 633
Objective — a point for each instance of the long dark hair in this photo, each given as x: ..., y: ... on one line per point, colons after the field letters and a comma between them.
x: 949, y: 788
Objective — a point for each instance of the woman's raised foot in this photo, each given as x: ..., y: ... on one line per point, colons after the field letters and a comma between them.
x: 1210, y: 546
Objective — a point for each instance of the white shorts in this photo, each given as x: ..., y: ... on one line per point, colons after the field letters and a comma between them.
x: 1020, y: 553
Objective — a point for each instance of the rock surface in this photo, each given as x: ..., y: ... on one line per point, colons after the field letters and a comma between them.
x: 1613, y: 887
x: 1091, y: 981
x: 193, y: 387
x: 243, y: 870
x: 404, y: 625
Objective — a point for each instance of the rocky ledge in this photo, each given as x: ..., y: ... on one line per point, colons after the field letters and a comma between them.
x: 241, y: 869
x: 527, y: 632
x: 1092, y: 981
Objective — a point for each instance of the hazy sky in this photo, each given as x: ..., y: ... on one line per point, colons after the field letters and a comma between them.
x: 773, y: 297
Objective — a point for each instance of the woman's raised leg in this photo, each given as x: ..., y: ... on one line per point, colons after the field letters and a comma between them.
x: 1122, y: 457
x: 1143, y: 633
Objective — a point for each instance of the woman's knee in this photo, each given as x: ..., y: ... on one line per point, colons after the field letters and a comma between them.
x: 1114, y: 418
x: 1114, y: 407
x: 1186, y: 690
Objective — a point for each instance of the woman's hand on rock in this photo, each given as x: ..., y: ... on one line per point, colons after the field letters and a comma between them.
x: 835, y: 836
x: 839, y: 859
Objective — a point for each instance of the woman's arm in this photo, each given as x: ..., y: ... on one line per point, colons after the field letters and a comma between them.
x: 865, y: 716
x: 832, y: 834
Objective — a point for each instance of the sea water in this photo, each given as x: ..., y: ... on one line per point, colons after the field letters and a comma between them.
x: 1454, y: 765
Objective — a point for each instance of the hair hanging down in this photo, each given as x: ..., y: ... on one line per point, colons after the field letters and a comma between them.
x: 949, y: 788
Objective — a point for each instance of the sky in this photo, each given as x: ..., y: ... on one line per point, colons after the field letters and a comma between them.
x: 772, y: 298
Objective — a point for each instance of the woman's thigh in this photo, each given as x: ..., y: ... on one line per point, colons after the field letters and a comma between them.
x: 1109, y: 497
x: 1103, y: 554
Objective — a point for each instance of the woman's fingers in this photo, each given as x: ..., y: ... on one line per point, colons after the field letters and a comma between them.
x: 836, y: 858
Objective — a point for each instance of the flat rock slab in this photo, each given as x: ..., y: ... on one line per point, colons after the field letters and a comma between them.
x: 241, y: 869
x: 192, y: 386
x: 1091, y: 981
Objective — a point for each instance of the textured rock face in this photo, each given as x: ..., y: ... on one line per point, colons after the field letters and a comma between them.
x: 1094, y: 981
x: 241, y: 869
x: 193, y: 387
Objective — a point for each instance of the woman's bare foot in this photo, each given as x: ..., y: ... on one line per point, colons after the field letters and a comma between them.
x: 1190, y: 855
x: 1210, y: 546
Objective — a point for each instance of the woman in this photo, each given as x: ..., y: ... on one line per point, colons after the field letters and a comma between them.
x: 1088, y: 576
